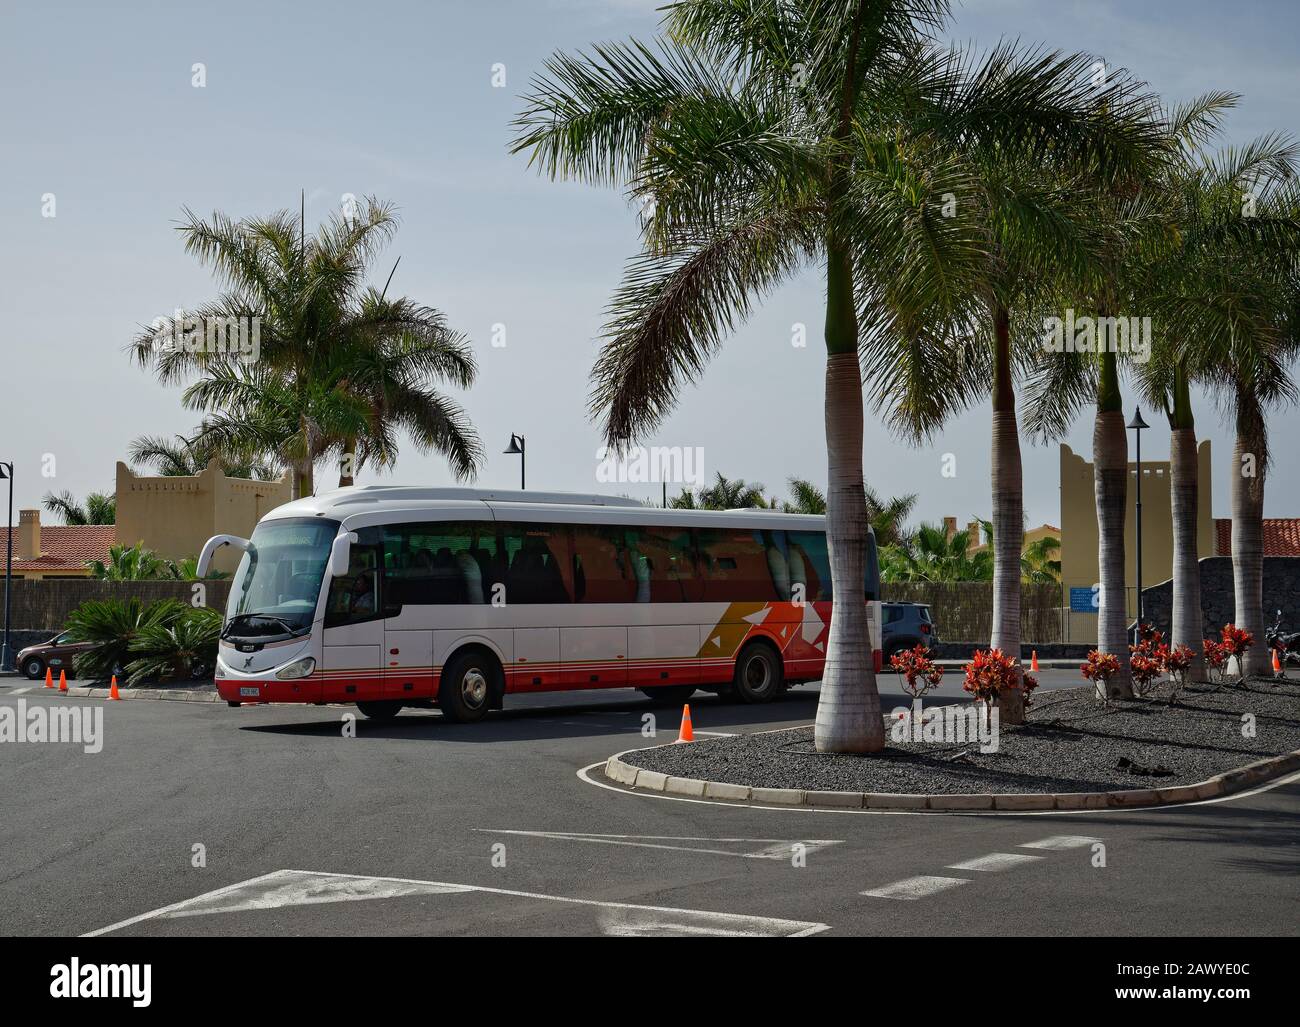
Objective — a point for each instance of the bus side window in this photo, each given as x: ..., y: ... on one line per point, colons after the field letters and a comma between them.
x: 808, y: 551
x: 601, y: 571
x: 355, y: 596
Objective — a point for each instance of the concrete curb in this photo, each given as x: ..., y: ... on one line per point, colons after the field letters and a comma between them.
x: 171, y: 694
x: 1222, y: 784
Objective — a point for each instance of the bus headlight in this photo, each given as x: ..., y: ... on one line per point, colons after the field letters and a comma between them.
x: 298, y: 669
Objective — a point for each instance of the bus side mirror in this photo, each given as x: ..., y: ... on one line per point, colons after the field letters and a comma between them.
x: 341, y: 554
x: 212, y: 545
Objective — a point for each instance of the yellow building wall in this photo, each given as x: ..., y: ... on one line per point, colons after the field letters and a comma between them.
x: 174, y: 516
x: 1079, y: 529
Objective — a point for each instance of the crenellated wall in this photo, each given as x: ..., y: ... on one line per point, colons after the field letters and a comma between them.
x: 174, y: 516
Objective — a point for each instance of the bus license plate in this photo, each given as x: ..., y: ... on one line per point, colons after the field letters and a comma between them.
x: 250, y: 690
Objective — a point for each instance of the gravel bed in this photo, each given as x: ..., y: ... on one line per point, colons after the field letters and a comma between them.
x: 1071, y: 742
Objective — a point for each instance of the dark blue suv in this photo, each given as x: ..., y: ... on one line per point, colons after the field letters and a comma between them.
x: 906, y: 625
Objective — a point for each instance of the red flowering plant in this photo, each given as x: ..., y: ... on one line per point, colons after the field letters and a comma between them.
x: 1178, y: 661
x: 1236, y: 641
x: 1148, y: 660
x: 1099, y: 669
x: 917, y: 672
x: 992, y: 672
x: 1216, y: 659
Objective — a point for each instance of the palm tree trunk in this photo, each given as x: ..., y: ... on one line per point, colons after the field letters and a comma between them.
x: 848, y: 709
x: 346, y: 479
x: 1008, y: 516
x: 1110, y: 483
x: 1249, y: 458
x: 1188, y: 626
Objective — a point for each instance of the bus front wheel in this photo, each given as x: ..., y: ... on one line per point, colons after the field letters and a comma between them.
x: 758, y: 674
x: 380, y: 710
x: 468, y: 686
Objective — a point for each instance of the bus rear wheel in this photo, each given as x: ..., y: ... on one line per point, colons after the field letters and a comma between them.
x: 467, y: 686
x: 758, y: 674
x: 380, y: 710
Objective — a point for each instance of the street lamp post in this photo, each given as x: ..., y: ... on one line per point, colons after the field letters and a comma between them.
x: 517, y: 447
x: 7, y: 471
x: 1137, y: 424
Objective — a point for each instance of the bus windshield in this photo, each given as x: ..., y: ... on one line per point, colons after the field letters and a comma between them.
x: 276, y: 588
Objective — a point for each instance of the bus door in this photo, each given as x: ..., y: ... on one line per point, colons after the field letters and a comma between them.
x: 352, y: 660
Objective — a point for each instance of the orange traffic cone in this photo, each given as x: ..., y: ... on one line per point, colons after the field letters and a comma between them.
x: 1277, y: 665
x: 684, y: 733
x: 63, y: 681
x: 49, y: 678
x: 1033, y: 661
x: 112, y: 688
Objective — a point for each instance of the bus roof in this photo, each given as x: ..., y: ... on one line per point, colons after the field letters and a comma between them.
x: 376, y: 504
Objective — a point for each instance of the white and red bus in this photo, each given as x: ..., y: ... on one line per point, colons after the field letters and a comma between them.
x: 390, y: 597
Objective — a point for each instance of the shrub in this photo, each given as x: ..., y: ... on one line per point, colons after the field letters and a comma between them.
x: 918, y: 672
x: 1099, y: 669
x: 1178, y: 662
x: 175, y: 651
x: 112, y: 624
x: 1235, y: 642
x: 1216, y: 659
x: 991, y: 672
x: 1148, y: 660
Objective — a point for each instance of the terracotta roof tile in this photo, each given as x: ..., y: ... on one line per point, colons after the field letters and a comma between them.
x: 64, y: 546
x: 1281, y: 536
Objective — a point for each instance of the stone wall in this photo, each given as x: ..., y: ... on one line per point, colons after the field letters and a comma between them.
x: 1218, y: 604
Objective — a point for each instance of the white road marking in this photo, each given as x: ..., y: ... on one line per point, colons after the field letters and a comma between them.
x: 20, y: 691
x: 306, y: 887
x: 994, y: 862
x: 915, y: 887
x: 774, y: 848
x: 1058, y: 842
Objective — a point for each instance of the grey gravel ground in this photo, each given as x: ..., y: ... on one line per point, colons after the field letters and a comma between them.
x: 1071, y: 743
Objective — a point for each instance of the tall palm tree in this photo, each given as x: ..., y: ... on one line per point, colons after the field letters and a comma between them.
x: 182, y: 457
x: 1241, y: 302
x: 1037, y: 213
x: 1190, y: 302
x: 97, y: 509
x: 312, y: 389
x: 759, y: 138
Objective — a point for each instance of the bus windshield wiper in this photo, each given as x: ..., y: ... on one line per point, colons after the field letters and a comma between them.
x: 289, y: 628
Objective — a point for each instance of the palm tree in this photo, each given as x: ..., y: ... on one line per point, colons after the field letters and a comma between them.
x: 97, y: 509
x: 339, y: 368
x: 1040, y: 563
x: 182, y: 457
x: 885, y: 517
x: 933, y: 555
x: 1037, y: 213
x: 1210, y: 308
x: 130, y: 563
x: 759, y: 138
x: 724, y: 494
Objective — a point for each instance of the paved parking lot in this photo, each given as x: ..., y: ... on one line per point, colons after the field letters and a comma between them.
x: 201, y: 819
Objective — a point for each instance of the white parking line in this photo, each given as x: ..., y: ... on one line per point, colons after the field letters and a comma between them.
x: 994, y: 862
x: 774, y: 848
x: 306, y: 887
x: 915, y: 887
x: 1058, y: 842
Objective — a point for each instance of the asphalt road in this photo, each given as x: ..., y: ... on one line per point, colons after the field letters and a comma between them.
x: 422, y: 827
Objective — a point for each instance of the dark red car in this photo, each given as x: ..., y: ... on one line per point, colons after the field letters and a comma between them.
x: 56, y: 654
